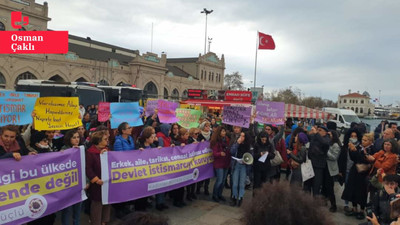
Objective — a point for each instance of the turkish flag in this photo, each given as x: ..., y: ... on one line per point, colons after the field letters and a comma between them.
x: 265, y: 41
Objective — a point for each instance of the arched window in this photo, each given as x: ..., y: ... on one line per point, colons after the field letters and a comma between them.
x: 361, y: 110
x: 151, y: 90
x: 25, y: 76
x: 356, y: 109
x: 369, y: 111
x: 166, y: 91
x: 362, y: 101
x: 103, y: 82
x: 175, y: 94
x: 2, y: 27
x: 57, y: 78
x: 202, y: 74
x: 81, y: 79
x: 2, y: 81
x: 352, y: 108
x: 344, y: 101
x: 120, y: 84
x: 185, y: 94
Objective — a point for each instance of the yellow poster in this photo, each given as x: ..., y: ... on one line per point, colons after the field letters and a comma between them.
x: 57, y: 113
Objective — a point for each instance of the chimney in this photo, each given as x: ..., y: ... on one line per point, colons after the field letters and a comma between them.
x: 349, y: 91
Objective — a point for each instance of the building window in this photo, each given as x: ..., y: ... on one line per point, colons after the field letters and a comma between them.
x: 212, y: 77
x: 361, y: 110
x: 2, y: 81
x: 151, y: 90
x: 57, y: 78
x: 356, y: 101
x: 103, y: 82
x: 185, y: 94
x: 166, y: 91
x: 202, y: 74
x: 362, y: 101
x: 81, y: 79
x: 344, y: 101
x: 2, y: 27
x: 352, y: 108
x: 205, y: 75
x: 356, y: 109
x: 25, y: 76
x: 175, y: 94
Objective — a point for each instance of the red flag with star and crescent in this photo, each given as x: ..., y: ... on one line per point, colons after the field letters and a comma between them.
x: 265, y: 41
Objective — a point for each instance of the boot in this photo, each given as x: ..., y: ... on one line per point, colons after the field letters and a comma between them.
x: 239, y: 202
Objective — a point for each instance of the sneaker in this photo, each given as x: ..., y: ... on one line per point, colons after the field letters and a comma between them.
x: 333, y: 208
x: 233, y: 202
x: 222, y: 199
x: 215, y: 199
x: 360, y: 216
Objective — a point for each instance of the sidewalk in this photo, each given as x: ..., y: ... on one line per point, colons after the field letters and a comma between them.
x: 204, y: 211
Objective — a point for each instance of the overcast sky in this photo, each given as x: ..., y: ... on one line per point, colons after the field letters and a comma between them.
x: 323, y: 48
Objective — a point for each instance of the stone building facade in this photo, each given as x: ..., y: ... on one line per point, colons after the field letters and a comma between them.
x: 359, y: 103
x: 93, y: 61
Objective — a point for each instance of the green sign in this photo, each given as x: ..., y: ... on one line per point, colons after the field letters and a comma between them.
x: 188, y: 118
x: 152, y: 59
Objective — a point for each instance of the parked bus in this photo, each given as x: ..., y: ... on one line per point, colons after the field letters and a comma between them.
x: 122, y: 93
x: 88, y: 95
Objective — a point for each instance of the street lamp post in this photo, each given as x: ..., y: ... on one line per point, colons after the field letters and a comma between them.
x: 205, y: 37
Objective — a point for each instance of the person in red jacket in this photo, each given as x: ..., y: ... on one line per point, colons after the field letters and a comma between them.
x: 222, y: 158
x: 99, y: 213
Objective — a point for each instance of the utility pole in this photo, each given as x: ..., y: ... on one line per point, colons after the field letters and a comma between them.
x: 205, y: 36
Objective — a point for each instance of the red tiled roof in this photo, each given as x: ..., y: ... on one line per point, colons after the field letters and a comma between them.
x: 354, y: 95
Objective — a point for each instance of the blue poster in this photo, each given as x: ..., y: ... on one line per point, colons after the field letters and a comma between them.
x: 16, y: 107
x: 125, y: 112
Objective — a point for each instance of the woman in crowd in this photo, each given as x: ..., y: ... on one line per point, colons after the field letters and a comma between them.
x: 124, y: 141
x: 352, y: 137
x: 146, y: 141
x: 179, y: 193
x: 11, y: 144
x: 71, y: 140
x: 205, y: 135
x: 193, y: 138
x: 297, y: 157
x: 262, y: 170
x: 220, y: 146
x: 332, y: 169
x: 82, y: 135
x: 385, y: 159
x: 99, y: 213
x: 356, y: 190
x: 86, y: 121
x: 241, y: 146
x: 275, y: 137
x: 174, y: 134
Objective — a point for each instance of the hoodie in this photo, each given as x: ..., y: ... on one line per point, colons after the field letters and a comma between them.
x: 163, y: 138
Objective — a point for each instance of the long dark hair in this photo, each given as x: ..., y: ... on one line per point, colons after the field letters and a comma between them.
x: 68, y: 136
x: 216, y: 136
x: 335, y: 138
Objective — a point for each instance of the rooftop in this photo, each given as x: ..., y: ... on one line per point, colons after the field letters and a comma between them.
x: 354, y: 95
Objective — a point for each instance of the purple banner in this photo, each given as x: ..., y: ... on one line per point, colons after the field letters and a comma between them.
x: 166, y: 111
x: 153, y: 171
x: 40, y: 185
x: 270, y: 112
x: 237, y: 116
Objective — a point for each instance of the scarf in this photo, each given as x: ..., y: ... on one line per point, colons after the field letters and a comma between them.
x: 206, y: 135
x: 14, y: 147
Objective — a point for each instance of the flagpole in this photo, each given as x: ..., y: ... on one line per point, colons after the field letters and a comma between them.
x: 255, y: 66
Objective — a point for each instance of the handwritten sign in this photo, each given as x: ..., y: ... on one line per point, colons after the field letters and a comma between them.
x: 270, y: 112
x: 166, y: 111
x: 103, y: 112
x: 125, y: 112
x: 16, y: 107
x: 150, y: 107
x: 188, y: 118
x: 237, y: 116
x: 57, y: 113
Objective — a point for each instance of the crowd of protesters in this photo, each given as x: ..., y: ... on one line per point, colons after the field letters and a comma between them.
x: 365, y: 163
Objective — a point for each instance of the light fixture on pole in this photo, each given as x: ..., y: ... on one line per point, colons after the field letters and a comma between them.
x: 209, y: 43
x: 205, y: 37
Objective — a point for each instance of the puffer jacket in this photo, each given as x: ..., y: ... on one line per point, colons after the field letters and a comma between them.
x: 122, y: 144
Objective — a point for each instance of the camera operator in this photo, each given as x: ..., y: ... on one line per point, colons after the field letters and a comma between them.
x: 381, y: 201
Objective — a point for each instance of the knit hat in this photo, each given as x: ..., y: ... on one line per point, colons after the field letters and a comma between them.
x: 302, y: 138
x: 323, y: 127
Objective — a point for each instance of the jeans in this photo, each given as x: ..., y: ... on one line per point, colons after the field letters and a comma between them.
x: 221, y: 174
x: 76, y: 214
x: 238, y: 180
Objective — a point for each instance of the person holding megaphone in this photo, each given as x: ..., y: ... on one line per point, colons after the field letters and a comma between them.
x: 238, y: 150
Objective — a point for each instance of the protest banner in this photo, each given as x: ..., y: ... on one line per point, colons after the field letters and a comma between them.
x: 237, y: 116
x: 103, y: 113
x: 57, y: 113
x: 188, y: 118
x: 150, y: 107
x: 166, y: 111
x: 16, y: 107
x: 153, y: 171
x: 270, y: 112
x: 125, y: 112
x: 40, y: 185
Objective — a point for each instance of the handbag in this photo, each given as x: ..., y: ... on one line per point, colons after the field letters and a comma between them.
x: 307, y: 171
x: 362, y: 168
x: 277, y: 160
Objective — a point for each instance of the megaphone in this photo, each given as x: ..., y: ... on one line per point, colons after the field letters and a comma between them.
x: 247, y: 158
